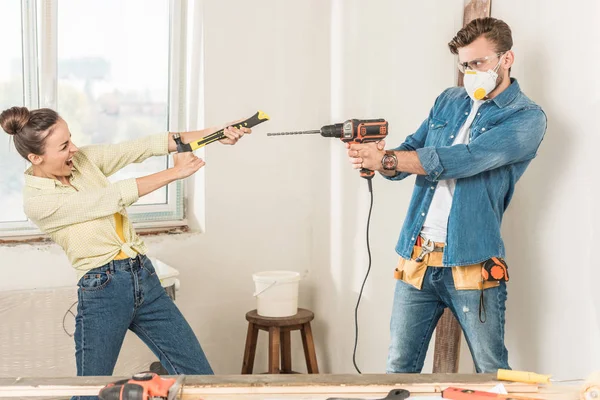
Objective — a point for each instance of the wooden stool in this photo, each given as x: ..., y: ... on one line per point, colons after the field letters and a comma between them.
x: 280, y: 337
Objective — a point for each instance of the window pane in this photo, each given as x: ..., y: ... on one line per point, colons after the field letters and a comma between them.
x: 11, y: 94
x: 113, y: 74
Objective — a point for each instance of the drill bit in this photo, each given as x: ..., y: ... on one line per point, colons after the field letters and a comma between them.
x: 313, y: 132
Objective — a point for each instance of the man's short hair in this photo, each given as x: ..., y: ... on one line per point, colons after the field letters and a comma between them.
x: 494, y: 30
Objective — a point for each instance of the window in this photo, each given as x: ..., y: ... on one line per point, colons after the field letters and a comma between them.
x: 12, y: 94
x: 114, y: 70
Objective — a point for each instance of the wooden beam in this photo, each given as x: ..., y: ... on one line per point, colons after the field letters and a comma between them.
x: 251, y: 387
x: 474, y: 9
x: 446, y: 355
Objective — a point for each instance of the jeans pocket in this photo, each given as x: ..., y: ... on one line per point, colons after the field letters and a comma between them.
x: 93, y: 281
x: 147, y: 265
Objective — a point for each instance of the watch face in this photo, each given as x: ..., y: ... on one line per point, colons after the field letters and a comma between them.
x: 389, y: 162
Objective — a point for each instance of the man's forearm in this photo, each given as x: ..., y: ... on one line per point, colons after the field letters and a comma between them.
x: 408, y: 161
x: 150, y: 183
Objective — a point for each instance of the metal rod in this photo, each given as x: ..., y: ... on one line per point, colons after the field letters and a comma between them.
x: 313, y: 132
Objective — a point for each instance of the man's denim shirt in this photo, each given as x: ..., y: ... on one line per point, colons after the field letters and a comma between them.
x: 504, y: 138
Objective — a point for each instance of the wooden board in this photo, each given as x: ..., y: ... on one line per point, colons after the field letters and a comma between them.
x: 254, y: 387
x: 448, y: 332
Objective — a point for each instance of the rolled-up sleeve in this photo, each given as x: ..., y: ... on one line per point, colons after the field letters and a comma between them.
x: 129, y: 192
x: 416, y: 140
x: 113, y: 157
x: 514, y: 140
x: 411, y: 143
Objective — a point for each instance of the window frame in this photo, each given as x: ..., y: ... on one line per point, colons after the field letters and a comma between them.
x: 40, y: 82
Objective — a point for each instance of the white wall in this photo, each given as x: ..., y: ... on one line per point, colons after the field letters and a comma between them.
x: 388, y: 61
x: 293, y: 202
x: 553, y: 308
x: 265, y: 205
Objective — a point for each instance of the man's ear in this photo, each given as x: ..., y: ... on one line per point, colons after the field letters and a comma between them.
x: 34, y: 159
x: 509, y: 59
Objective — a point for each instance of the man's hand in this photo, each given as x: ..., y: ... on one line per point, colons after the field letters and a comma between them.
x: 367, y: 155
x: 185, y: 164
x: 234, y: 134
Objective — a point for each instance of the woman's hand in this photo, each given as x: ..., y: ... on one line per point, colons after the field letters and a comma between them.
x: 186, y: 164
x: 234, y: 134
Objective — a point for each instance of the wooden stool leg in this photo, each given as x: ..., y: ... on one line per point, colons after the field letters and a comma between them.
x: 250, y: 351
x: 309, y: 349
x: 274, y: 343
x: 286, y: 352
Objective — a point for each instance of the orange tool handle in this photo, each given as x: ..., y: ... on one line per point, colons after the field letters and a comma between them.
x: 453, y: 393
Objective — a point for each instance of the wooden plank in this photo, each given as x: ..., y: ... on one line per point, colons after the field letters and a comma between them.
x: 317, y: 387
x: 325, y: 380
x: 446, y: 355
x: 240, y: 386
x: 476, y: 9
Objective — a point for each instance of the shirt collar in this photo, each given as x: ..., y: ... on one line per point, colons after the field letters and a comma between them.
x: 508, y: 95
x: 38, y: 182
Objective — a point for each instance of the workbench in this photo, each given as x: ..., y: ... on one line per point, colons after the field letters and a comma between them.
x: 305, y: 387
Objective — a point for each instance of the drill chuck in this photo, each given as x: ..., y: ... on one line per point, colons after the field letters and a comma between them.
x: 335, y: 130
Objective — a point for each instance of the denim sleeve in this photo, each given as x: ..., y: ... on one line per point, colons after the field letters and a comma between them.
x: 514, y: 140
x: 415, y: 141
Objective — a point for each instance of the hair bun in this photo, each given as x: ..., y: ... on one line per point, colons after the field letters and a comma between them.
x: 14, y: 119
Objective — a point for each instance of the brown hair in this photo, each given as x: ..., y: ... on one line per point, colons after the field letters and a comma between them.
x: 28, y: 127
x: 494, y: 30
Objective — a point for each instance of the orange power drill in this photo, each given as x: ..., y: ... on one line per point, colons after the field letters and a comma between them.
x: 351, y: 131
x: 144, y: 386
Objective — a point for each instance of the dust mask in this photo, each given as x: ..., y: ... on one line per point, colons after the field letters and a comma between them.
x: 480, y: 84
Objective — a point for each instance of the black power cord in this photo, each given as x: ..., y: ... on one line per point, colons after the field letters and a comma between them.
x: 369, y: 180
x: 65, y: 317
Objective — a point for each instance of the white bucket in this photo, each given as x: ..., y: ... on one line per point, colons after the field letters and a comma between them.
x: 276, y: 293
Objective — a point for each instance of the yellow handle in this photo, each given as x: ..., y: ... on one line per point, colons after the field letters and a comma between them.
x: 522, y: 376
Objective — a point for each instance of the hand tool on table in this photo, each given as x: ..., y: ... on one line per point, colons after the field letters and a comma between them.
x: 396, y: 394
x: 254, y: 120
x: 453, y: 393
x: 528, y: 377
x: 351, y: 131
x: 144, y: 386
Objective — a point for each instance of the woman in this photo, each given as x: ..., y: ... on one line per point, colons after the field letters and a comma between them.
x: 68, y: 196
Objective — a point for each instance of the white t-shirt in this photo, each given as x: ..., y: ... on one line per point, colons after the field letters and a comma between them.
x: 436, y: 222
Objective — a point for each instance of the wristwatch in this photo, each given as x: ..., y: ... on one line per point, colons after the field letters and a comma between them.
x: 389, y: 160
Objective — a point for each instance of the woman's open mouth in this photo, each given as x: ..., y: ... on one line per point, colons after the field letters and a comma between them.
x: 69, y: 162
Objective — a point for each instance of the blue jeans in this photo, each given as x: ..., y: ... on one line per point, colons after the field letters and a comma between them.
x: 127, y: 294
x: 415, y: 314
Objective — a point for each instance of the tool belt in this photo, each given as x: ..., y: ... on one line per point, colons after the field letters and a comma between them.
x: 426, y: 254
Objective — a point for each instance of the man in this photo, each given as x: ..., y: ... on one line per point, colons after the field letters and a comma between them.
x: 467, y: 155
